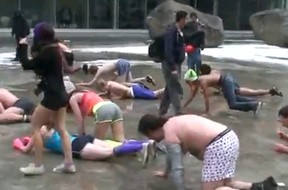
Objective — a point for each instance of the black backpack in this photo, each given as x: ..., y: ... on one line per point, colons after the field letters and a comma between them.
x: 156, y: 49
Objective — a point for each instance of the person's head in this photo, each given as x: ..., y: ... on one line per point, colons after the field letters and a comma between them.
x: 283, y: 116
x: 205, y: 69
x: 43, y: 32
x: 193, y: 17
x: 191, y: 77
x: 181, y: 18
x: 152, y: 126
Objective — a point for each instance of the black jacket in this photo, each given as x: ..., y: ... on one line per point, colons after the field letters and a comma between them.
x: 20, y: 27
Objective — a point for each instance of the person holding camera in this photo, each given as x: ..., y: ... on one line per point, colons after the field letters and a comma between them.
x: 48, y: 62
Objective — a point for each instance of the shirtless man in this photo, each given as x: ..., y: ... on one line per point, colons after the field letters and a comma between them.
x: 213, y: 143
x: 14, y: 109
x: 129, y: 90
x: 226, y: 83
x: 119, y: 70
x: 243, y: 91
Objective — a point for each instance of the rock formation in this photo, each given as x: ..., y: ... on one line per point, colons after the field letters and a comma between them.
x: 164, y: 14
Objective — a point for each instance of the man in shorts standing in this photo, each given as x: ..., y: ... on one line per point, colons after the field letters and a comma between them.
x: 213, y: 143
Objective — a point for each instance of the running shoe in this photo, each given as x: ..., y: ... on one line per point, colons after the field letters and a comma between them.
x: 274, y: 91
x: 31, y: 170
x: 149, y: 79
x: 259, y: 106
x: 62, y: 168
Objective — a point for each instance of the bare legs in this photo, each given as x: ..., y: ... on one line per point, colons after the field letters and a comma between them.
x: 226, y: 184
x: 116, y: 127
x: 159, y: 93
x: 99, y: 150
x: 251, y: 92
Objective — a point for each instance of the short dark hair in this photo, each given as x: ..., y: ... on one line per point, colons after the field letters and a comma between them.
x: 180, y: 15
x: 149, y: 122
x: 193, y: 15
x: 205, y: 69
x: 283, y: 112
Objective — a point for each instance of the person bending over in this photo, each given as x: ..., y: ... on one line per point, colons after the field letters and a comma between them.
x: 14, y: 109
x: 226, y: 83
x: 107, y: 114
x: 129, y: 90
x: 211, y: 142
x: 119, y: 70
x: 243, y: 91
x: 87, y: 147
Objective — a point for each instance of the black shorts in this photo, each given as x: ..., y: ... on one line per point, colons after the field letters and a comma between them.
x: 79, y: 143
x: 26, y: 105
x: 53, y: 102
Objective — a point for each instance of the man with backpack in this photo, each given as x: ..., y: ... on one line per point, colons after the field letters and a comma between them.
x: 173, y: 57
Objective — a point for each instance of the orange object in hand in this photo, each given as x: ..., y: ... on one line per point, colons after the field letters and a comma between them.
x: 189, y: 48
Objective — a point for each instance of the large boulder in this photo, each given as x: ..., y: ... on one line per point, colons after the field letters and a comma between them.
x: 271, y: 26
x: 164, y: 14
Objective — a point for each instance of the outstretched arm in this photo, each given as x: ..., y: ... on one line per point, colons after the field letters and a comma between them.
x: 206, y: 97
x: 77, y: 114
x: 193, y: 92
x: 95, y: 78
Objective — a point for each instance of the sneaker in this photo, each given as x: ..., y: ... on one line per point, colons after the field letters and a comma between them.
x: 268, y: 184
x: 149, y: 79
x: 275, y: 92
x: 62, y: 168
x: 259, y: 106
x: 31, y: 169
x: 145, y: 153
x: 153, y: 148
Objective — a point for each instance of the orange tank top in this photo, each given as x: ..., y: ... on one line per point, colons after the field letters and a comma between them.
x: 88, y: 101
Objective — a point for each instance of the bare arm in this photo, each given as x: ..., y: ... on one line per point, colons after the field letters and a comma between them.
x: 95, y: 78
x: 193, y: 92
x: 2, y: 109
x: 77, y: 114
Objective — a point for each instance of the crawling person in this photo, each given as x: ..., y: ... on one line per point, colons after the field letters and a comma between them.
x: 129, y: 90
x: 14, y: 109
x: 87, y: 147
x: 205, y: 69
x: 226, y: 83
x: 283, y: 119
x: 211, y: 142
x: 119, y: 70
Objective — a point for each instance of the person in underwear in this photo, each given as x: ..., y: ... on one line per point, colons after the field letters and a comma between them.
x: 83, y: 103
x: 119, y: 70
x: 14, y: 109
x: 211, y: 142
x: 205, y: 69
x: 283, y: 119
x: 226, y: 83
x: 87, y: 147
x: 129, y: 90
x: 48, y: 63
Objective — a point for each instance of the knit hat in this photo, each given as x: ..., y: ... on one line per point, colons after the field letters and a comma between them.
x: 43, y: 31
x: 190, y: 75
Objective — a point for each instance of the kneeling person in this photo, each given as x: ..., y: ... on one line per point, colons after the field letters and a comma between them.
x: 213, y: 143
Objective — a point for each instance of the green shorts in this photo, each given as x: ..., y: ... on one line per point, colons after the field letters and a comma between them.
x: 107, y: 112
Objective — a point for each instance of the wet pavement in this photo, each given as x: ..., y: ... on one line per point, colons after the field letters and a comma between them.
x: 257, y: 136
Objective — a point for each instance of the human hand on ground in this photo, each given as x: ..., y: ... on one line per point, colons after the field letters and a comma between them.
x: 160, y: 174
x: 280, y: 148
x: 281, y: 134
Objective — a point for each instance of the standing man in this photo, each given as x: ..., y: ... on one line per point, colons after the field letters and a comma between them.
x: 174, y: 55
x: 20, y: 29
x: 192, y: 30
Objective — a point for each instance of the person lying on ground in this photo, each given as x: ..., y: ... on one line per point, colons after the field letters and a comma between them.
x: 283, y: 119
x: 205, y: 69
x: 211, y: 142
x: 83, y: 103
x: 128, y: 90
x: 87, y: 147
x: 119, y: 70
x: 14, y: 109
x: 226, y: 83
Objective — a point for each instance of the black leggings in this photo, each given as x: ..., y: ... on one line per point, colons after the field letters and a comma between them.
x: 79, y: 143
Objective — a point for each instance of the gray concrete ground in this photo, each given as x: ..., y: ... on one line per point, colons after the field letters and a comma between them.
x: 257, y: 136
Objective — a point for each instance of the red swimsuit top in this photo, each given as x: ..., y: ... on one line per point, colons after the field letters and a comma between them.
x: 88, y: 101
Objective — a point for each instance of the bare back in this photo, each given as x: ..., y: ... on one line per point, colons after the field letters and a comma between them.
x: 193, y: 132
x: 7, y: 99
x: 211, y: 80
x: 118, y: 89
